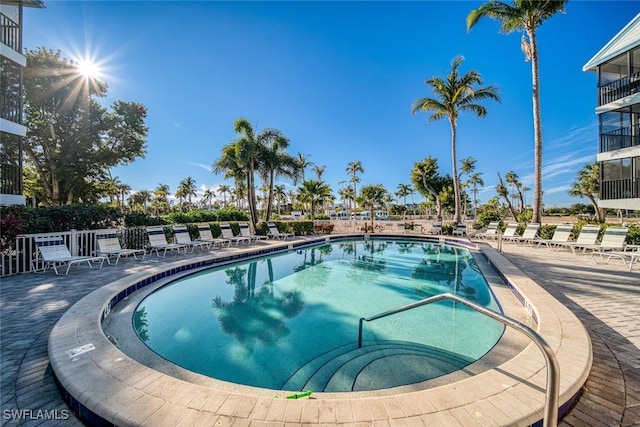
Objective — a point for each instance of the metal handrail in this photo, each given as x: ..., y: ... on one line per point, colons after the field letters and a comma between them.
x: 553, y: 371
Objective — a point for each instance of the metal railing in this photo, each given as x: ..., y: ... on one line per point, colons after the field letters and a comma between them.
x: 615, y: 90
x: 9, y: 32
x: 552, y: 393
x: 619, y: 138
x: 628, y: 188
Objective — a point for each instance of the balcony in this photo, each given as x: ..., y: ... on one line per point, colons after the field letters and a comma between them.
x: 628, y: 188
x: 620, y: 88
x: 10, y: 179
x: 620, y: 138
x: 9, y: 33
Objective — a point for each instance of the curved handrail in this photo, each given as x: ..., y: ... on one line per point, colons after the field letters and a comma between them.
x: 553, y: 372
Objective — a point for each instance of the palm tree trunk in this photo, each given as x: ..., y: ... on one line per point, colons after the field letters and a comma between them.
x: 454, y: 166
x: 269, y: 197
x: 537, y: 127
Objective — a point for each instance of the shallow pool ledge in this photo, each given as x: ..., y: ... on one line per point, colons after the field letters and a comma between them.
x: 104, y: 386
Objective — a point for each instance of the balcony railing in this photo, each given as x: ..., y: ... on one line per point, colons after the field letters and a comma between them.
x: 9, y: 33
x: 628, y: 188
x: 620, y: 138
x: 10, y: 179
x: 620, y: 88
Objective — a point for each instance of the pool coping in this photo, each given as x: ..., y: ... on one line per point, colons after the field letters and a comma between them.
x: 105, y: 386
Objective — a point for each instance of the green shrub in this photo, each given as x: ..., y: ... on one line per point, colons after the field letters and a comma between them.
x: 63, y: 218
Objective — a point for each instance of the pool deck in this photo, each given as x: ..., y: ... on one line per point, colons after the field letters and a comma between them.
x: 603, y: 296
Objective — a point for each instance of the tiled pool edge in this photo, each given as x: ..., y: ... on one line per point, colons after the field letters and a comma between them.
x: 135, y: 383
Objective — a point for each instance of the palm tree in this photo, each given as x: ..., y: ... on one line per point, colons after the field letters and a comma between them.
x: 208, y: 196
x: 319, y: 170
x: 512, y: 179
x: 475, y: 179
x: 527, y: 16
x: 187, y: 189
x: 280, y: 195
x: 303, y: 164
x: 587, y: 184
x: 352, y: 169
x: 224, y: 189
x: 123, y: 190
x: 273, y: 162
x: 455, y: 94
x: 347, y: 193
x: 314, y: 193
x: 229, y: 164
x: 160, y: 201
x: 372, y: 196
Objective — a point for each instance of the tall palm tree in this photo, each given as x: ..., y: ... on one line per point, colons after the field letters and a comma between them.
x: 187, y: 188
x: 319, y: 170
x: 123, y: 190
x: 224, y: 189
x: 475, y: 179
x: 527, y: 16
x: 352, y: 169
x: 273, y: 162
x: 208, y: 196
x: 280, y: 195
x: 303, y: 164
x: 455, y: 94
x: 161, y: 199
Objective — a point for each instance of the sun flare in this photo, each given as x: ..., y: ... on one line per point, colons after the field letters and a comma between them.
x: 88, y: 69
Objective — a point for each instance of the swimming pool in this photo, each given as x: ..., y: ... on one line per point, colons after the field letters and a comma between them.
x: 290, y: 321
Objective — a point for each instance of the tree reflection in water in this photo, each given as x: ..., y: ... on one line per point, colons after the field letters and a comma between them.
x: 141, y: 324
x: 444, y: 266
x: 256, y: 316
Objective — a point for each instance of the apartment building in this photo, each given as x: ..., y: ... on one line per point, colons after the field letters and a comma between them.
x: 12, y: 62
x: 617, y: 66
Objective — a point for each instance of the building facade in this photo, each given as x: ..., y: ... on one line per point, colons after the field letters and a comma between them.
x: 617, y: 66
x: 12, y: 62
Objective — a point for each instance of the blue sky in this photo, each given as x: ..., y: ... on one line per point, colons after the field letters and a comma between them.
x: 338, y: 79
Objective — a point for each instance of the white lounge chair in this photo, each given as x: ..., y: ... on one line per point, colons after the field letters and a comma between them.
x: 613, y: 239
x: 528, y: 235
x: 588, y: 236
x: 227, y: 233
x: 245, y: 231
x: 274, y: 233
x: 54, y: 253
x: 561, y: 235
x: 182, y: 237
x: 436, y: 228
x: 108, y: 245
x: 158, y: 242
x: 632, y: 255
x: 460, y: 229
x: 491, y: 231
x: 509, y: 232
x: 205, y: 235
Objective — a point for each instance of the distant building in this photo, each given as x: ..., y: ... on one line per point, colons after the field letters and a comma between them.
x: 617, y: 66
x: 12, y: 62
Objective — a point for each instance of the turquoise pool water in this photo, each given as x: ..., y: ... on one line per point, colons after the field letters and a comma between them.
x: 290, y: 321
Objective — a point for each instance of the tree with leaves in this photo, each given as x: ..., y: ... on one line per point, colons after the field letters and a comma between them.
x: 274, y: 162
x: 224, y: 189
x: 372, y: 196
x: 453, y: 95
x: 352, y: 169
x: 427, y: 181
x: 187, y: 190
x: 526, y: 16
x: 72, y: 141
x: 503, y: 192
x: 587, y: 184
x: 314, y: 193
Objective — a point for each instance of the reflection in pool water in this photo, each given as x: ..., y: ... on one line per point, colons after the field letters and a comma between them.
x: 291, y: 320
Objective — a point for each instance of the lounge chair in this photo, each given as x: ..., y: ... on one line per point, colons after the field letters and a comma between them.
x: 227, y: 233
x: 54, y: 253
x: 613, y: 239
x: 528, y: 235
x: 158, y: 242
x: 460, y: 229
x: 491, y: 231
x: 561, y: 235
x: 245, y: 231
x: 205, y: 235
x: 588, y: 236
x: 631, y: 255
x: 108, y: 245
x: 182, y: 237
x: 274, y: 233
x: 436, y: 228
x: 509, y: 232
